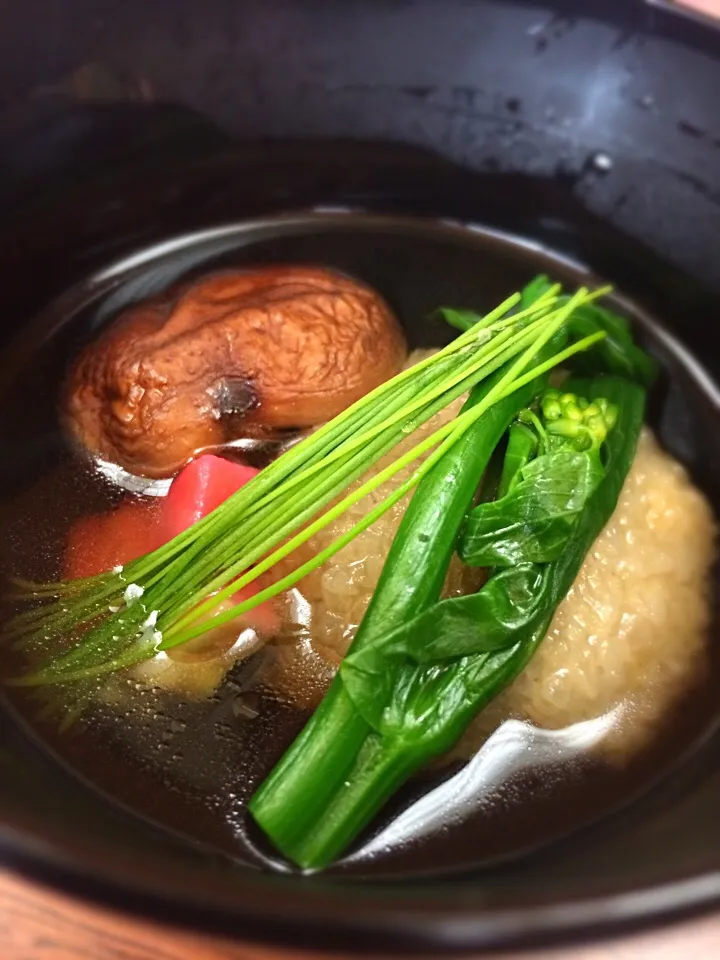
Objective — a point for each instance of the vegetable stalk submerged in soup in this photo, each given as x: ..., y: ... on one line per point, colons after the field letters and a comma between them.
x: 431, y: 545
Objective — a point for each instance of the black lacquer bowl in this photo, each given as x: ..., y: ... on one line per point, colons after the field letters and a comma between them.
x: 88, y: 228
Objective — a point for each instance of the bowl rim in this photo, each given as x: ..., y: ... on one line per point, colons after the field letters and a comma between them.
x: 328, y: 927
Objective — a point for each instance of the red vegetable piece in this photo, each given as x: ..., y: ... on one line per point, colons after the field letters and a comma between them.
x: 199, y: 489
x: 97, y: 544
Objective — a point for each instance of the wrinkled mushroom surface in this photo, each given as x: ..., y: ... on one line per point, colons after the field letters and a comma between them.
x: 237, y: 353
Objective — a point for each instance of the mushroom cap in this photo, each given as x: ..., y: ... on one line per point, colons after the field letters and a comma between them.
x: 235, y: 353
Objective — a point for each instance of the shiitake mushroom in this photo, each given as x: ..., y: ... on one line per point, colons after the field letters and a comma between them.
x: 235, y: 353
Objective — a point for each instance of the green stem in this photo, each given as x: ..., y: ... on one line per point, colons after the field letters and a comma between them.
x: 520, y: 449
x: 329, y: 742
x: 381, y: 767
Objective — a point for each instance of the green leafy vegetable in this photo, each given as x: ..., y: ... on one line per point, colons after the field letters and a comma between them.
x: 533, y: 520
x: 410, y: 685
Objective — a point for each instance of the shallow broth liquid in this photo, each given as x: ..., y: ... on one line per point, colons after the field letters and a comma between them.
x: 191, y: 766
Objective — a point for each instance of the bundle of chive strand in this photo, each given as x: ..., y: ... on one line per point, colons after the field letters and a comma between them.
x: 167, y: 597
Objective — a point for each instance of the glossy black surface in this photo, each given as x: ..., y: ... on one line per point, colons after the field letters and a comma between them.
x: 191, y: 767
x: 506, y: 115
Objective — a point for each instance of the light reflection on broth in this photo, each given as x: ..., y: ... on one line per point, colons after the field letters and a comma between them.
x: 514, y: 748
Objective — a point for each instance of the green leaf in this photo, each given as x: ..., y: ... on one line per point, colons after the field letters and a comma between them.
x: 537, y: 287
x: 617, y: 354
x: 433, y: 705
x: 459, y: 319
x: 533, y: 522
x: 465, y: 319
x: 500, y: 615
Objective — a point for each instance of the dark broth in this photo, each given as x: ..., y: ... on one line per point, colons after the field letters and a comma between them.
x: 191, y: 766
